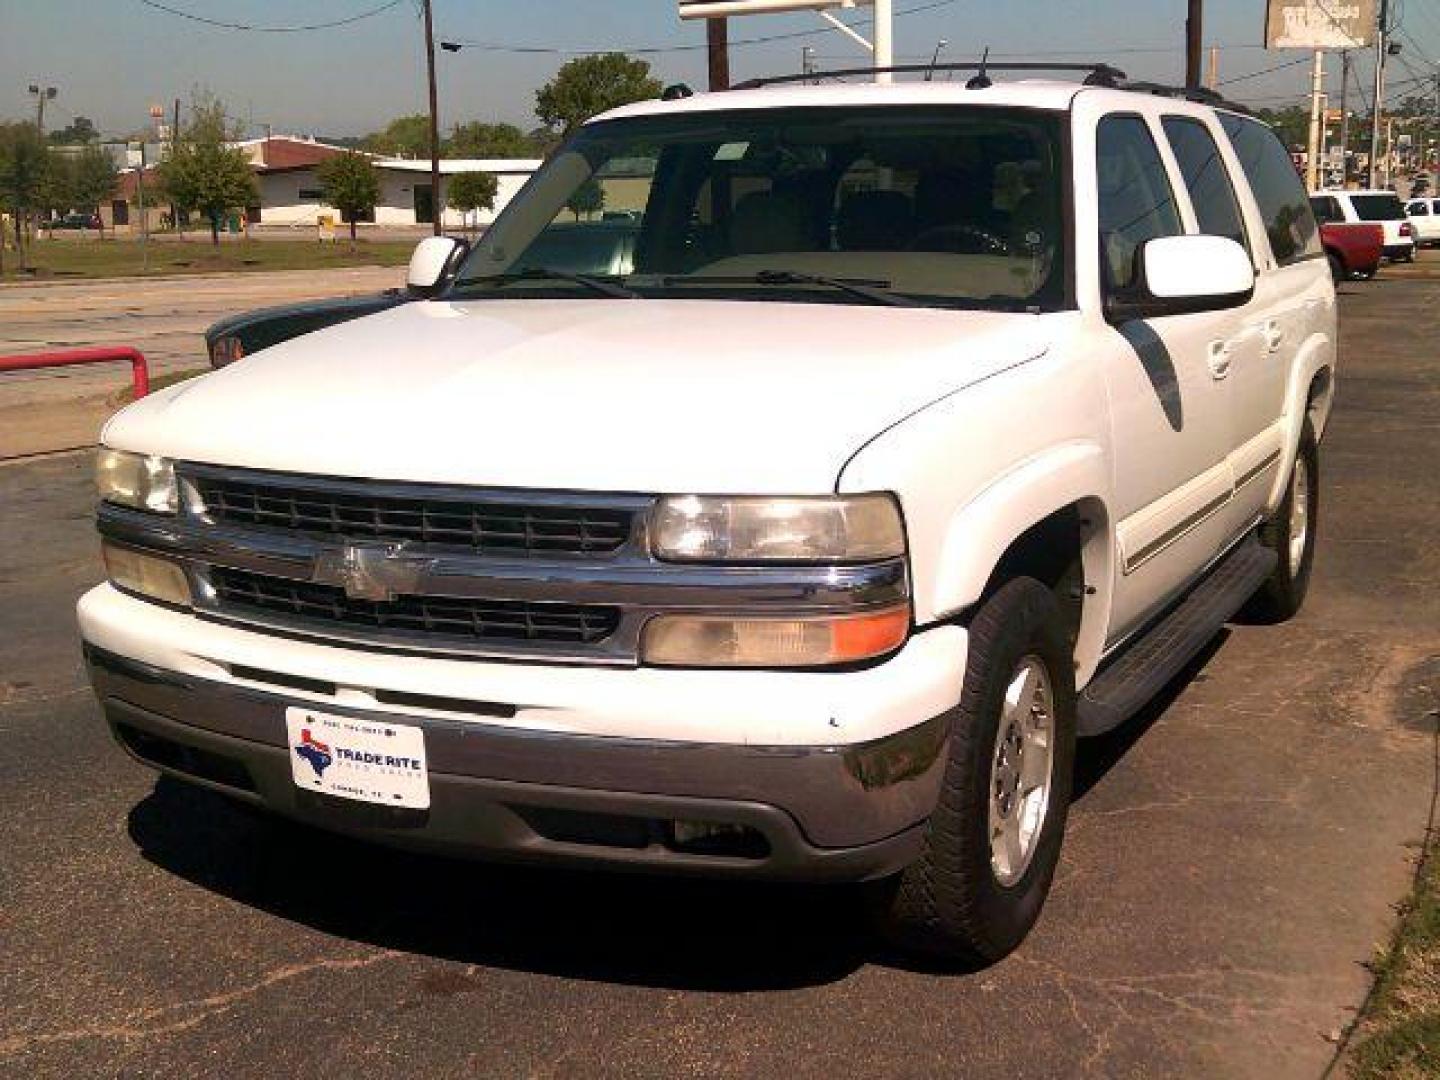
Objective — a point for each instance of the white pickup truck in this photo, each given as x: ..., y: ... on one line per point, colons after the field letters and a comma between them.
x: 934, y: 425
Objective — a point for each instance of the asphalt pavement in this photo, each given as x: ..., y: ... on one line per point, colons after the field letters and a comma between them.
x: 1232, y: 862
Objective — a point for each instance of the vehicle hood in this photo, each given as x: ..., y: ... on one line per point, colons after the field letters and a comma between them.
x: 611, y: 395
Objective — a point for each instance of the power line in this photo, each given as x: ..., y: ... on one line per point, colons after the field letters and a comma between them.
x: 654, y: 50
x: 1265, y: 71
x: 332, y: 24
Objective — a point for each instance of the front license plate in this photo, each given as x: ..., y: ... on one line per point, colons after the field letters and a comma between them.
x: 358, y: 759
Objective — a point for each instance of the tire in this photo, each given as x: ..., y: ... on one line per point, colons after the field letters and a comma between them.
x: 1368, y: 275
x: 1337, y: 269
x: 958, y: 901
x: 1283, y: 592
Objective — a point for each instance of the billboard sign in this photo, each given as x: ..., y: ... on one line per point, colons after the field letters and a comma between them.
x: 1319, y: 24
x: 715, y: 9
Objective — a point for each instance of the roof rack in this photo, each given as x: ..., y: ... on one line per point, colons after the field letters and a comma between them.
x: 1096, y: 74
x: 1199, y: 94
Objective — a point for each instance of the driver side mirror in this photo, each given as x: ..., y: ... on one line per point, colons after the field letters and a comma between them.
x: 1180, y: 275
x: 432, y: 264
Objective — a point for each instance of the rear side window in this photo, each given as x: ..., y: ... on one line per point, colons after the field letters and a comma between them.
x: 1206, y: 178
x: 1326, y: 208
x: 1419, y: 209
x: 1378, y: 207
x: 1136, y: 201
x: 1278, y: 192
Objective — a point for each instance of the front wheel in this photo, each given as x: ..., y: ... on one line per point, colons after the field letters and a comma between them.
x: 993, y: 841
x: 1291, y: 535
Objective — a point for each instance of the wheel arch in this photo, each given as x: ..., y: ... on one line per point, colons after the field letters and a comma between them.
x: 1049, y: 518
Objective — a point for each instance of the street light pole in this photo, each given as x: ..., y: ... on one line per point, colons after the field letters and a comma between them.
x: 42, y: 94
x: 1381, y: 31
x: 436, y: 206
x: 1193, y: 45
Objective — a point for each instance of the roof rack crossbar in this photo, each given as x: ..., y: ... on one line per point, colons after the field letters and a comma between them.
x: 1096, y: 74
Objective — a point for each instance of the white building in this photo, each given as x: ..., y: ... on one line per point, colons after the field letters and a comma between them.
x: 291, y: 195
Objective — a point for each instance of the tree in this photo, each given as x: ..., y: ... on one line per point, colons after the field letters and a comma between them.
x: 350, y: 185
x: 589, y: 85
x: 203, y: 172
x: 78, y: 133
x: 405, y: 136
x: 472, y: 191
x: 588, y: 198
x: 24, y: 175
x: 90, y: 179
x: 480, y: 140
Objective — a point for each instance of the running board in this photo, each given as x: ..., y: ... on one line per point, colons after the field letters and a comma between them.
x: 1140, y: 672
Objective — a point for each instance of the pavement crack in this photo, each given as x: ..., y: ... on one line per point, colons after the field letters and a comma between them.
x: 184, y: 1015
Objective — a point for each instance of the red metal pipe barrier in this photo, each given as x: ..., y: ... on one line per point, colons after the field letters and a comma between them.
x: 139, y: 370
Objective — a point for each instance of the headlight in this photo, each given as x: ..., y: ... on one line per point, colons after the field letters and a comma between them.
x: 226, y: 350
x: 136, y: 480
x: 718, y: 641
x: 844, y: 528
x: 159, y: 579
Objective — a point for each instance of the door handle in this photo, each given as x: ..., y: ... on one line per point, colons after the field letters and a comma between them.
x: 1219, y: 358
x: 1274, y: 335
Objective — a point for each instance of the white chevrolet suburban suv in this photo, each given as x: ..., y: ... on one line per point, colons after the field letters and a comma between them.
x: 935, y: 425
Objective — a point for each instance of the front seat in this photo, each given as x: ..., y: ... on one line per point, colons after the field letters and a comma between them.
x: 875, y: 221
x: 764, y: 222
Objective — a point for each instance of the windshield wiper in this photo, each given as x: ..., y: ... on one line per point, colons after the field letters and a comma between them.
x: 867, y: 289
x: 603, y: 286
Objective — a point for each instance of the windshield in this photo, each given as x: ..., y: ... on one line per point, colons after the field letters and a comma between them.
x: 939, y: 206
x: 1378, y: 207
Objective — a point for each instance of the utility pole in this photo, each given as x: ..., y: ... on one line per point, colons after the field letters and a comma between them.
x: 1193, y: 44
x: 1382, y: 30
x: 807, y: 60
x: 1317, y: 121
x: 144, y: 224
x: 717, y: 40
x: 1344, y: 116
x: 436, y: 206
x: 885, y: 39
x: 1212, y: 77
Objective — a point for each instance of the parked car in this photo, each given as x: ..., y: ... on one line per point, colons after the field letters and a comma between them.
x: 604, y: 247
x: 1353, y: 248
x: 1424, y: 217
x: 933, y: 427
x: 1380, y: 206
x: 74, y: 221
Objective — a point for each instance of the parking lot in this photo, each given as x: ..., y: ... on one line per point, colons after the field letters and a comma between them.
x: 1232, y: 862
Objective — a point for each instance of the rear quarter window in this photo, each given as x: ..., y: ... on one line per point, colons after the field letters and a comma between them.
x: 1378, y: 207
x: 1284, y: 206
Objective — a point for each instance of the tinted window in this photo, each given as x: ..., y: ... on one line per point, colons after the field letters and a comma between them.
x: 1378, y: 207
x: 1278, y: 191
x: 1136, y: 202
x: 1326, y: 208
x: 1206, y: 179
x: 1419, y: 209
x: 950, y: 207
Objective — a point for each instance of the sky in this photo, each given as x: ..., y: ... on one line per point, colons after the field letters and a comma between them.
x: 112, y: 59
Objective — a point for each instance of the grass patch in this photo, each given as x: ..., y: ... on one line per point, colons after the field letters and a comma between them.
x: 1398, y: 1037
x: 76, y: 259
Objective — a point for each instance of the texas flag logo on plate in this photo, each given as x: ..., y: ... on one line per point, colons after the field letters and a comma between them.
x: 365, y: 760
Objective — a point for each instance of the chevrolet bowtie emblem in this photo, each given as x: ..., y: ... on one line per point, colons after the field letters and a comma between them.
x: 372, y: 571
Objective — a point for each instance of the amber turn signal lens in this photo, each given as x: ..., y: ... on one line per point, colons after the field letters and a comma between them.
x: 816, y: 641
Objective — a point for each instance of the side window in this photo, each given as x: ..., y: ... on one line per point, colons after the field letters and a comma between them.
x: 1278, y: 192
x: 1136, y: 202
x: 1206, y: 178
x: 1418, y: 209
x: 1326, y: 209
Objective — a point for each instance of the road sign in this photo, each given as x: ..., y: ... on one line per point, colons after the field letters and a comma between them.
x: 716, y: 9
x: 1319, y: 24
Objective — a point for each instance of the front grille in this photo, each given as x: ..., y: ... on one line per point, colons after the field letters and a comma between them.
x: 482, y: 526
x: 241, y: 593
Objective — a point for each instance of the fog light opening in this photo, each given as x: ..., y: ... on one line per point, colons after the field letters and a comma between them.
x: 718, y: 838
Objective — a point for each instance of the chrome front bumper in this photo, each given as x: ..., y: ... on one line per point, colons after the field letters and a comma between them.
x: 823, y: 812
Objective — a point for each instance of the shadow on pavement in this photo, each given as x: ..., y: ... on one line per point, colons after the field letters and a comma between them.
x: 677, y: 933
